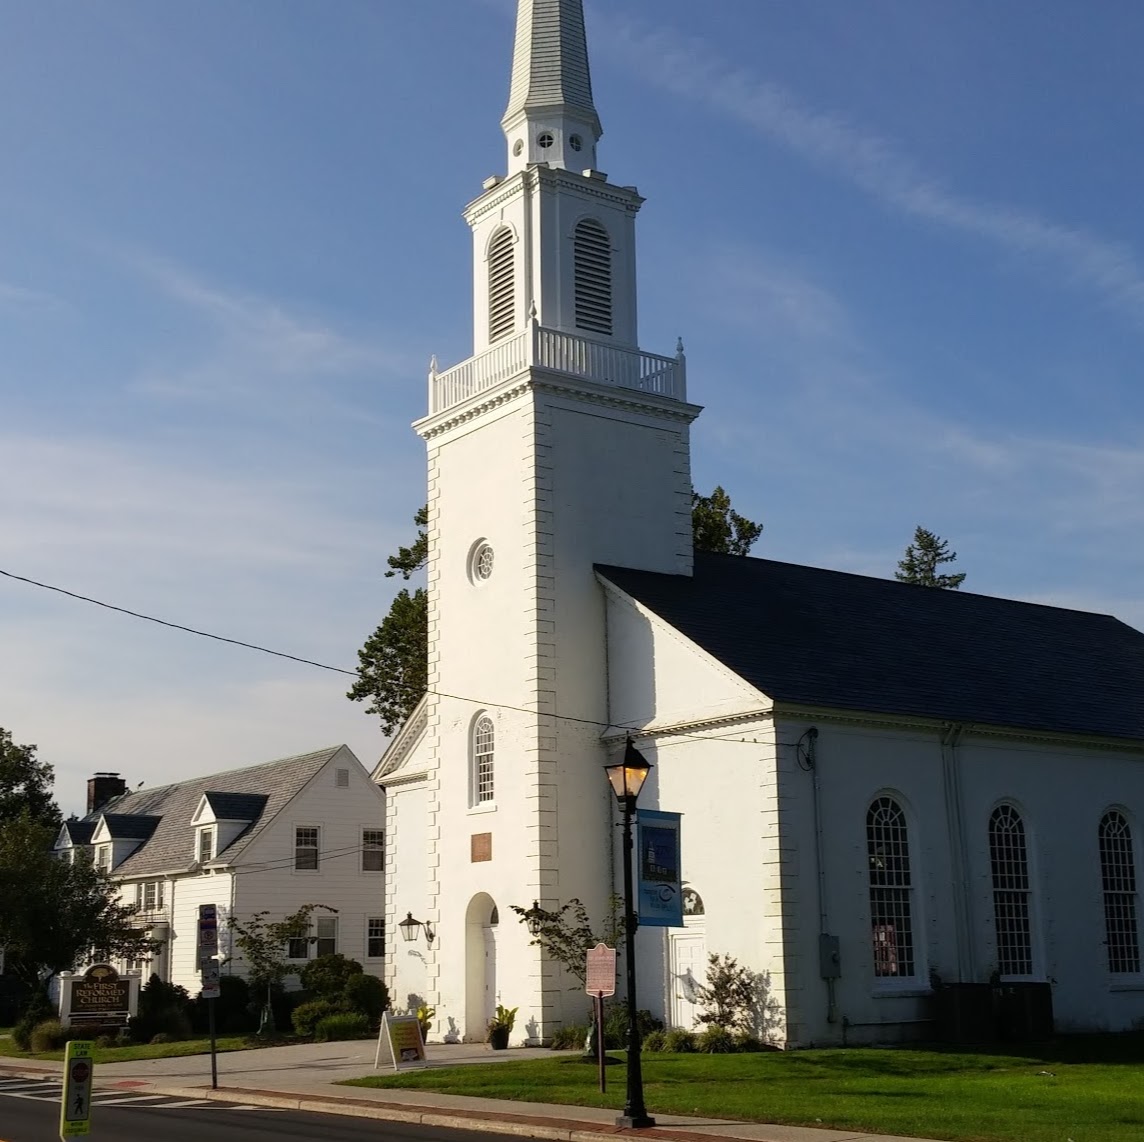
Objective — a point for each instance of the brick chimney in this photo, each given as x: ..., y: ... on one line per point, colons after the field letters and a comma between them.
x: 102, y: 788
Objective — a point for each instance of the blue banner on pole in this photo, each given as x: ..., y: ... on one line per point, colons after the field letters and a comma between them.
x: 658, y: 875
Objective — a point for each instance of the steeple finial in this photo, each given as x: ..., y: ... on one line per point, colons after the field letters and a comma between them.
x: 550, y: 116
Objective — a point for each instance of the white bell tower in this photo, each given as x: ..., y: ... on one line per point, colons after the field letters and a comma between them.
x: 558, y: 445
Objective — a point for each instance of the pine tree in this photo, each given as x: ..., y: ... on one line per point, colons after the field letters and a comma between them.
x: 923, y: 557
x: 717, y: 527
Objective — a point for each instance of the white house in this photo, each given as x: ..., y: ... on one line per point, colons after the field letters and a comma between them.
x: 884, y: 787
x: 302, y: 830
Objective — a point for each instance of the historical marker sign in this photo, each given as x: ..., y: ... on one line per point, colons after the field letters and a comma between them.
x: 101, y: 996
x: 601, y: 971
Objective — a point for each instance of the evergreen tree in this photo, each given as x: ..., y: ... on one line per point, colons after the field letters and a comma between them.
x: 717, y: 527
x: 923, y: 557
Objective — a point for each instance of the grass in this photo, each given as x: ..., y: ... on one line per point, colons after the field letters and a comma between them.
x: 146, y: 1050
x: 1086, y: 1090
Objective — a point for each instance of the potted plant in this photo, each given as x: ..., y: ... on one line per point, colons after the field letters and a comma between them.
x: 500, y: 1027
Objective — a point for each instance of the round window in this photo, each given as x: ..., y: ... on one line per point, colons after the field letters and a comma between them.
x: 575, y: 142
x: 517, y: 147
x: 483, y: 562
x: 545, y: 141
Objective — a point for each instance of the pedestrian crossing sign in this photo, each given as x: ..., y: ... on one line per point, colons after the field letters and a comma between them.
x: 75, y: 1102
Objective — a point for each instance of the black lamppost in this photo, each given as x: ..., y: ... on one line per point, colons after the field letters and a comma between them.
x: 627, y: 778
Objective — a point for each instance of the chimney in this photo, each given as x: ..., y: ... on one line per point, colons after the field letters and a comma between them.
x: 102, y: 788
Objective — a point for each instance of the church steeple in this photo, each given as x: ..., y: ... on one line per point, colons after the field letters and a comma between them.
x: 550, y: 116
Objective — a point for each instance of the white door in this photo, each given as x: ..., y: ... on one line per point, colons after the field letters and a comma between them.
x: 490, y: 934
x: 688, y: 973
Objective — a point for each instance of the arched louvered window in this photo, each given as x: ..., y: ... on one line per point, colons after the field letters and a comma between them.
x: 1009, y: 859
x: 484, y: 739
x: 891, y: 890
x: 592, y: 249
x: 502, y: 284
x: 1118, y: 876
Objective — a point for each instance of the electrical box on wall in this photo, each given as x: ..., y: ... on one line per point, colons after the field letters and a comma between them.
x: 829, y: 960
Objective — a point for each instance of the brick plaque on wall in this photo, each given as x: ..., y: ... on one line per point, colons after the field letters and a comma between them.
x: 481, y: 847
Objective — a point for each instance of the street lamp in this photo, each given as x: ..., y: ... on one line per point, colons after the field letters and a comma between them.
x: 534, y: 918
x: 409, y: 928
x: 627, y: 778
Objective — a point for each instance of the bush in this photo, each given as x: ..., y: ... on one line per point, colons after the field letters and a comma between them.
x: 164, y: 1008
x: 105, y: 1040
x: 716, y: 1041
x: 48, y: 1035
x: 679, y: 1041
x: 616, y: 1025
x: 654, y: 1041
x: 306, y: 1016
x: 366, y: 995
x: 37, y: 1008
x: 326, y: 977
x: 344, y: 1025
x: 162, y: 1037
x: 728, y: 998
x: 124, y: 1038
x: 748, y: 1043
x: 572, y: 1037
x: 233, y: 1014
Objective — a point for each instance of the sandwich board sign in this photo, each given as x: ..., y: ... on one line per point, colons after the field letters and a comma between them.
x: 403, y: 1034
x: 75, y: 1104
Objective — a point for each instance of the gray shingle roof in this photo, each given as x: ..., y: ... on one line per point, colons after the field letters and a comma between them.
x: 810, y: 636
x: 550, y: 57
x: 235, y: 806
x: 129, y: 827
x: 171, y: 845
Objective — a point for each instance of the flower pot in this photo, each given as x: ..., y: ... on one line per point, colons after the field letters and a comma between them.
x: 498, y: 1038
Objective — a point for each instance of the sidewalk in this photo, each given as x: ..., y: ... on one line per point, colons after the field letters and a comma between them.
x: 301, y: 1077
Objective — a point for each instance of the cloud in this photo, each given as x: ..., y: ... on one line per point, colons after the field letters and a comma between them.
x: 22, y: 298
x: 690, y: 68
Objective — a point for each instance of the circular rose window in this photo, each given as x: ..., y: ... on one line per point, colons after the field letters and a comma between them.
x: 483, y: 562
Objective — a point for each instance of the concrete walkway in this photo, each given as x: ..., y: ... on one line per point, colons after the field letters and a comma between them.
x: 301, y: 1077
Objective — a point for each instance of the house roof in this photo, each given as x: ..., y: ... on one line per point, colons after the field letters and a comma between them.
x: 128, y: 826
x: 79, y: 832
x: 235, y: 806
x: 172, y: 844
x: 810, y: 636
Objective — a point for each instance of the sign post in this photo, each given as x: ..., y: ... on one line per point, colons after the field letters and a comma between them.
x: 600, y: 980
x: 403, y: 1034
x: 211, y: 990
x: 75, y: 1099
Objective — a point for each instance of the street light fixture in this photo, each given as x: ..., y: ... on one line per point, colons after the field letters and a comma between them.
x: 627, y: 778
x: 534, y: 918
x: 409, y: 928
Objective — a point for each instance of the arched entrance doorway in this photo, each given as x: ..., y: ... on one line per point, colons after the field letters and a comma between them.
x: 481, y: 921
x: 688, y: 961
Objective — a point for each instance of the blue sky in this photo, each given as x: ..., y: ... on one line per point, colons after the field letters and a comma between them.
x: 902, y: 242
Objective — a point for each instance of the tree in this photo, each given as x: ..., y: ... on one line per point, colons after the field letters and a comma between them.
x: 717, y: 527
x: 567, y: 934
x: 923, y: 557
x: 264, y: 943
x: 54, y: 915
x: 25, y: 783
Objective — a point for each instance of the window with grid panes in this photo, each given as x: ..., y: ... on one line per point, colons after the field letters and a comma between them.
x: 206, y: 845
x: 1009, y: 861
x: 150, y: 895
x: 375, y: 938
x: 1118, y: 878
x: 373, y: 850
x: 891, y: 922
x: 326, y: 930
x: 298, y: 948
x: 483, y: 745
x: 306, y: 849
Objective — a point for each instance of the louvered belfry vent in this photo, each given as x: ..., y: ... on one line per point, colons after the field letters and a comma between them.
x: 592, y: 249
x: 502, y: 285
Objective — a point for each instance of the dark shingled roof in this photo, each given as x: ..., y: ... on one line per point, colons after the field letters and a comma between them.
x: 827, y: 638
x: 129, y: 827
x: 235, y: 806
x: 79, y: 832
x: 171, y: 846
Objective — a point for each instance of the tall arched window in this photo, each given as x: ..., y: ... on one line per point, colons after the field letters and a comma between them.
x: 891, y: 890
x: 1009, y: 858
x: 1118, y: 875
x: 592, y: 250
x: 484, y: 739
x: 502, y: 284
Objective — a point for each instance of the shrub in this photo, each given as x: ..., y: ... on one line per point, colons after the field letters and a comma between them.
x: 728, y: 997
x: 124, y: 1038
x: 233, y: 1014
x: 48, y: 1035
x: 105, y: 1040
x: 163, y: 1008
x: 326, y: 977
x: 37, y: 1008
x: 654, y: 1041
x: 679, y: 1041
x: 425, y: 1015
x: 572, y: 1037
x: 344, y: 1025
x: 616, y: 1025
x: 716, y: 1041
x: 366, y: 995
x: 748, y: 1043
x: 162, y: 1037
x: 306, y: 1016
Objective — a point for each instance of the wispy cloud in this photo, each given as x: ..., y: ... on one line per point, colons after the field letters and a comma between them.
x: 689, y: 68
x: 20, y: 297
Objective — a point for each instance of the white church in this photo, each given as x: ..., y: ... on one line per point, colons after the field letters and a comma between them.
x: 910, y: 811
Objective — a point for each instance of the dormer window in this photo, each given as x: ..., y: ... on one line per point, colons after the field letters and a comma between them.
x: 206, y: 845
x: 103, y: 858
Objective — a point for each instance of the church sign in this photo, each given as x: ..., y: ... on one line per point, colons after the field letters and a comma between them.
x: 660, y: 885
x: 99, y: 996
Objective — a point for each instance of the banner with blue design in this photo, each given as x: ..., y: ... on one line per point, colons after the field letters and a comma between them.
x: 659, y: 886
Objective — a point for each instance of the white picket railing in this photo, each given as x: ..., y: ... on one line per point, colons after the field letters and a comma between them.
x: 558, y: 353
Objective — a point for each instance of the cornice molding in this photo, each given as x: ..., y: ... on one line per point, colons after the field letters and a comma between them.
x: 551, y: 180
x: 615, y: 734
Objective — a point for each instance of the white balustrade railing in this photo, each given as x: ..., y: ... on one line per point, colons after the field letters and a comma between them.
x: 558, y: 353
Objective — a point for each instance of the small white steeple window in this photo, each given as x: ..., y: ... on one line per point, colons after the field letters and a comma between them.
x: 592, y: 253
x: 502, y: 284
x: 484, y: 738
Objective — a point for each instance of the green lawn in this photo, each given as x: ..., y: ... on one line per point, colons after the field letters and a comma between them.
x: 1092, y: 1093
x: 146, y: 1050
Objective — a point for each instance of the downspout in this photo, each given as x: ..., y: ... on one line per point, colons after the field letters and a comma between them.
x: 951, y: 734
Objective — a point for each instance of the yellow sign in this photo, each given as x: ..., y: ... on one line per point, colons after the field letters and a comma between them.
x: 75, y: 1107
x: 403, y: 1034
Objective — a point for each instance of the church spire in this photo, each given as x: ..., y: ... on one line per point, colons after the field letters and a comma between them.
x: 550, y: 116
